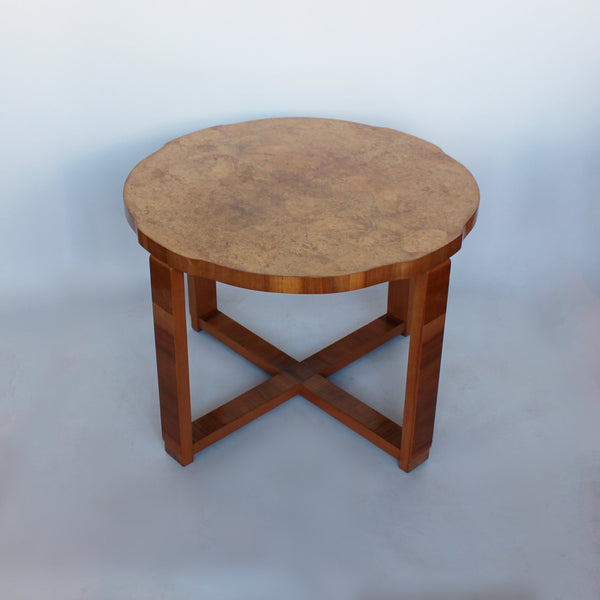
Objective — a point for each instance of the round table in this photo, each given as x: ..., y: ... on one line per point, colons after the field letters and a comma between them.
x: 300, y: 205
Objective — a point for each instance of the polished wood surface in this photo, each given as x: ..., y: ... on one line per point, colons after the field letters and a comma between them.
x: 290, y: 377
x: 168, y: 304
x: 307, y: 378
x: 423, y: 305
x: 202, y: 295
x: 426, y: 314
x: 398, y: 300
x: 301, y: 205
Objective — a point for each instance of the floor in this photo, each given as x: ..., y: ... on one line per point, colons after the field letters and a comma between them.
x: 295, y: 505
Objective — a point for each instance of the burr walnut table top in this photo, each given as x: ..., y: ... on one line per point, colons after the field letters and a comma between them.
x: 301, y: 205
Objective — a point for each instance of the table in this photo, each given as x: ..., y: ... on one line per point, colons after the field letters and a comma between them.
x: 301, y: 206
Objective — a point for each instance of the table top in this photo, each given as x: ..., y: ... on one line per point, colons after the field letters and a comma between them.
x: 301, y: 205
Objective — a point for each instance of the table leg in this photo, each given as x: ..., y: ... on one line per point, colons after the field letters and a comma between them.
x: 399, y: 298
x: 202, y: 295
x: 170, y: 334
x: 426, y: 311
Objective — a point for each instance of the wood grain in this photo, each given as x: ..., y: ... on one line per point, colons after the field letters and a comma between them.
x: 291, y: 377
x: 355, y: 345
x: 202, y: 295
x: 246, y: 343
x: 399, y: 301
x: 168, y: 304
x: 240, y: 411
x: 325, y: 362
x: 428, y: 296
x: 355, y: 414
x: 301, y: 205
x: 422, y: 300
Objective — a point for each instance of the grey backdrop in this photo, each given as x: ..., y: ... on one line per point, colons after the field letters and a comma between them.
x: 295, y: 506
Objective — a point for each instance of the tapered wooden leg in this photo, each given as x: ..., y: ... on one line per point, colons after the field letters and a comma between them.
x: 428, y: 294
x: 170, y: 334
x: 399, y: 301
x: 202, y: 299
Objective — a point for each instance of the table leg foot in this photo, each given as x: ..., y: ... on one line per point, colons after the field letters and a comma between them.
x: 414, y: 461
x: 175, y: 453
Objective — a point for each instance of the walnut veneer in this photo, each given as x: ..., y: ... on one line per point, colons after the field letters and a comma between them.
x: 300, y: 206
